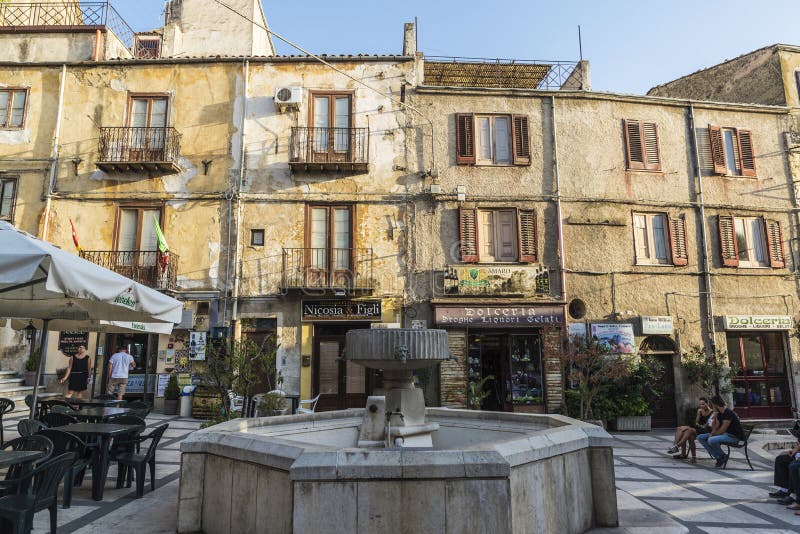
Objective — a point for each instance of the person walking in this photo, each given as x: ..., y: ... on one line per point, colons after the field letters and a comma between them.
x: 119, y: 365
x: 727, y: 429
x: 78, y: 374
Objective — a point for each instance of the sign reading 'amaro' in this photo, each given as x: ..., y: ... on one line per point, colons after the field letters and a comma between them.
x: 509, y: 316
x: 341, y: 310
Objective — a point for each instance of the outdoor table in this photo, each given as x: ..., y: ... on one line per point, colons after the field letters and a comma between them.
x: 97, y: 414
x: 107, y: 403
x: 9, y: 458
x: 103, y: 431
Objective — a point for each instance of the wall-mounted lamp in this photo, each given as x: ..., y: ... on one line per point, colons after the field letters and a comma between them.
x: 30, y: 331
x: 206, y: 164
x: 75, y: 163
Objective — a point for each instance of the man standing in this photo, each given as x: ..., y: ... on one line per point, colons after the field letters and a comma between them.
x: 727, y: 429
x: 118, y: 366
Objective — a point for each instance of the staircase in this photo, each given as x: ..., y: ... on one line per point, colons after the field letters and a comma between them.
x: 12, y: 387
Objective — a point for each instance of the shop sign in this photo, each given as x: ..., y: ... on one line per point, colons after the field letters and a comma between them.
x: 136, y: 383
x: 340, y: 310
x: 68, y: 342
x: 758, y: 322
x: 510, y: 316
x: 617, y: 337
x: 657, y: 324
x: 506, y: 279
x: 577, y: 332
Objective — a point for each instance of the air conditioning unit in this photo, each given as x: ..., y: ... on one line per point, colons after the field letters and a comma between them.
x: 288, y: 98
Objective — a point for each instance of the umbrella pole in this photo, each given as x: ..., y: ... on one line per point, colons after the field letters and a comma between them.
x: 42, y: 361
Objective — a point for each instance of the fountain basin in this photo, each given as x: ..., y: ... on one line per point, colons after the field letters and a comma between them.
x: 487, y: 472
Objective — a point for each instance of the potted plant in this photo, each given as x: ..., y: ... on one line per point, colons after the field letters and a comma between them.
x: 171, y: 394
x: 32, y: 367
x: 478, y: 392
x: 635, y: 394
x: 270, y: 404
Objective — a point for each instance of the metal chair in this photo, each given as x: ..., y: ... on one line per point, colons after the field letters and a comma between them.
x: 312, y: 402
x: 139, y: 462
x: 29, y: 427
x: 54, y: 419
x: 44, y: 481
x: 237, y: 402
x: 84, y: 454
x: 6, y: 406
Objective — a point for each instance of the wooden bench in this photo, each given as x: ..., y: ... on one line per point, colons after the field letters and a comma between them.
x: 748, y: 429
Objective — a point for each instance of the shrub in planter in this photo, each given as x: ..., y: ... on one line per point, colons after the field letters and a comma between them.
x: 271, y: 404
x: 32, y: 367
x: 171, y: 394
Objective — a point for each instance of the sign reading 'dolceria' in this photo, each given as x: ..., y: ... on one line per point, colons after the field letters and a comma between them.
x: 510, y: 316
x: 758, y: 322
x: 341, y: 310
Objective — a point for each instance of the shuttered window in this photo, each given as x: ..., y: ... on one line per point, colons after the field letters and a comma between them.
x: 732, y: 151
x: 643, y: 150
x: 497, y: 235
x: 660, y: 239
x: 751, y: 242
x: 492, y: 139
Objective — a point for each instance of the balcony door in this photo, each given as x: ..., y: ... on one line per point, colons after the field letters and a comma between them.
x: 331, y: 122
x: 329, y: 256
x: 137, y: 244
x: 148, y: 132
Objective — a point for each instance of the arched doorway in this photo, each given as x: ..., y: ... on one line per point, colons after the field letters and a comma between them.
x: 662, y: 349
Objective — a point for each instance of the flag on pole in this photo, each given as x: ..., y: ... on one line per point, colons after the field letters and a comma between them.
x: 163, y: 248
x: 75, y: 236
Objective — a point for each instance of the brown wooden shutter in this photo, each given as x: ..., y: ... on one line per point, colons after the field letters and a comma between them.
x: 465, y: 139
x: 717, y: 149
x: 777, y: 260
x: 727, y: 241
x: 521, y: 137
x: 746, y: 154
x: 527, y: 236
x: 633, y: 144
x: 652, y: 150
x: 468, y: 234
x: 677, y: 240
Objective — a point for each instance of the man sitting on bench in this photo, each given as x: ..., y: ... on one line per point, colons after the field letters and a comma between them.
x: 727, y: 429
x: 787, y: 473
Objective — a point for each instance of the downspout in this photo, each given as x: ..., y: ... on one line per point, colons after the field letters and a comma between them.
x: 96, y: 51
x: 703, y: 235
x: 54, y: 158
x: 557, y: 182
x: 237, y: 273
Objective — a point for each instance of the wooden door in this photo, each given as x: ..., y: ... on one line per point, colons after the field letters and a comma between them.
x: 339, y: 384
x: 332, y: 129
x: 664, y: 412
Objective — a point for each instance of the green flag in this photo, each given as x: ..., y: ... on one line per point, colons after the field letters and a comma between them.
x: 162, y: 242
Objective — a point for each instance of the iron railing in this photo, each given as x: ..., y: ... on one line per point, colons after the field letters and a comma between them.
x: 331, y: 268
x: 127, y: 144
x: 329, y: 145
x: 148, y: 267
x: 66, y: 15
x: 503, y: 73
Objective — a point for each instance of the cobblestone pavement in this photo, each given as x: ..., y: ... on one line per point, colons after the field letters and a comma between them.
x: 656, y: 493
x: 119, y: 511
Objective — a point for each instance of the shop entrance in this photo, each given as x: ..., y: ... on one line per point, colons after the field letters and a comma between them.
x: 761, y: 383
x: 514, y: 363
x: 663, y: 411
x: 339, y: 384
x: 138, y: 346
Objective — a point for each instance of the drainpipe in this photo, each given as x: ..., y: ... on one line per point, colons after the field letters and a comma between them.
x: 54, y: 159
x: 237, y: 190
x: 557, y: 179
x: 703, y: 235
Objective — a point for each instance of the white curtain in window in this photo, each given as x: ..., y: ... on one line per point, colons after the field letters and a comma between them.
x: 660, y: 237
x: 341, y: 239
x: 758, y: 245
x: 321, y: 119
x: 341, y: 121
x: 319, y: 238
x: 4, y: 96
x: 502, y: 140
x: 17, y: 109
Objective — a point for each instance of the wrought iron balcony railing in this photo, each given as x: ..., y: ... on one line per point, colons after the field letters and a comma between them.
x: 136, y: 149
x: 68, y: 15
x: 328, y: 268
x: 329, y: 149
x: 148, y: 267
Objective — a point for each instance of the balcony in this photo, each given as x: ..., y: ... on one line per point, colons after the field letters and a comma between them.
x: 322, y: 270
x: 154, y: 151
x: 147, y: 267
x: 339, y: 150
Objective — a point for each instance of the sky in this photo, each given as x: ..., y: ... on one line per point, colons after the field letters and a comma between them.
x: 631, y: 45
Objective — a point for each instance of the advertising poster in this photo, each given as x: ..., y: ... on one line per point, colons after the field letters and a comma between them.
x: 577, y: 333
x: 197, y: 345
x: 617, y: 337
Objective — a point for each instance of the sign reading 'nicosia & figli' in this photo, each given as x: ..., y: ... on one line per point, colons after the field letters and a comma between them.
x: 758, y: 322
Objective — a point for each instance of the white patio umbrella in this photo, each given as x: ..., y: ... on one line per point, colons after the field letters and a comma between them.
x: 39, y: 280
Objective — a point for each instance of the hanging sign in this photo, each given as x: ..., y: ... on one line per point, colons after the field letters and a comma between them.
x: 341, y: 310
x: 657, y: 324
x: 758, y: 322
x: 617, y: 337
x: 68, y: 342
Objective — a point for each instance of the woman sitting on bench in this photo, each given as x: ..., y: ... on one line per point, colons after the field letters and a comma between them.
x: 686, y: 435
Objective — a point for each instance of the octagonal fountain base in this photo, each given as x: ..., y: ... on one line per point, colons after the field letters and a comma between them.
x: 487, y: 472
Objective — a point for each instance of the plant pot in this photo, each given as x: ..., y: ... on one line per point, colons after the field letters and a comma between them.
x: 632, y: 423
x: 30, y: 378
x: 171, y: 407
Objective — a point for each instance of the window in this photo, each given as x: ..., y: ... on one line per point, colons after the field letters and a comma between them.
x: 659, y: 239
x: 136, y: 229
x: 257, y: 238
x: 329, y: 239
x: 8, y: 194
x: 12, y: 107
x: 641, y: 141
x: 732, y: 151
x: 492, y: 139
x: 147, y: 118
x: 331, y: 120
x: 498, y: 235
x: 750, y: 242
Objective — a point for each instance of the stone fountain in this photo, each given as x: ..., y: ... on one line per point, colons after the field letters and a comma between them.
x: 396, y: 466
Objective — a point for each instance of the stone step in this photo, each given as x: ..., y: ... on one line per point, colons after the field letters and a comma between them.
x: 769, y: 424
x: 13, y: 381
x: 8, y: 374
x: 19, y: 401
